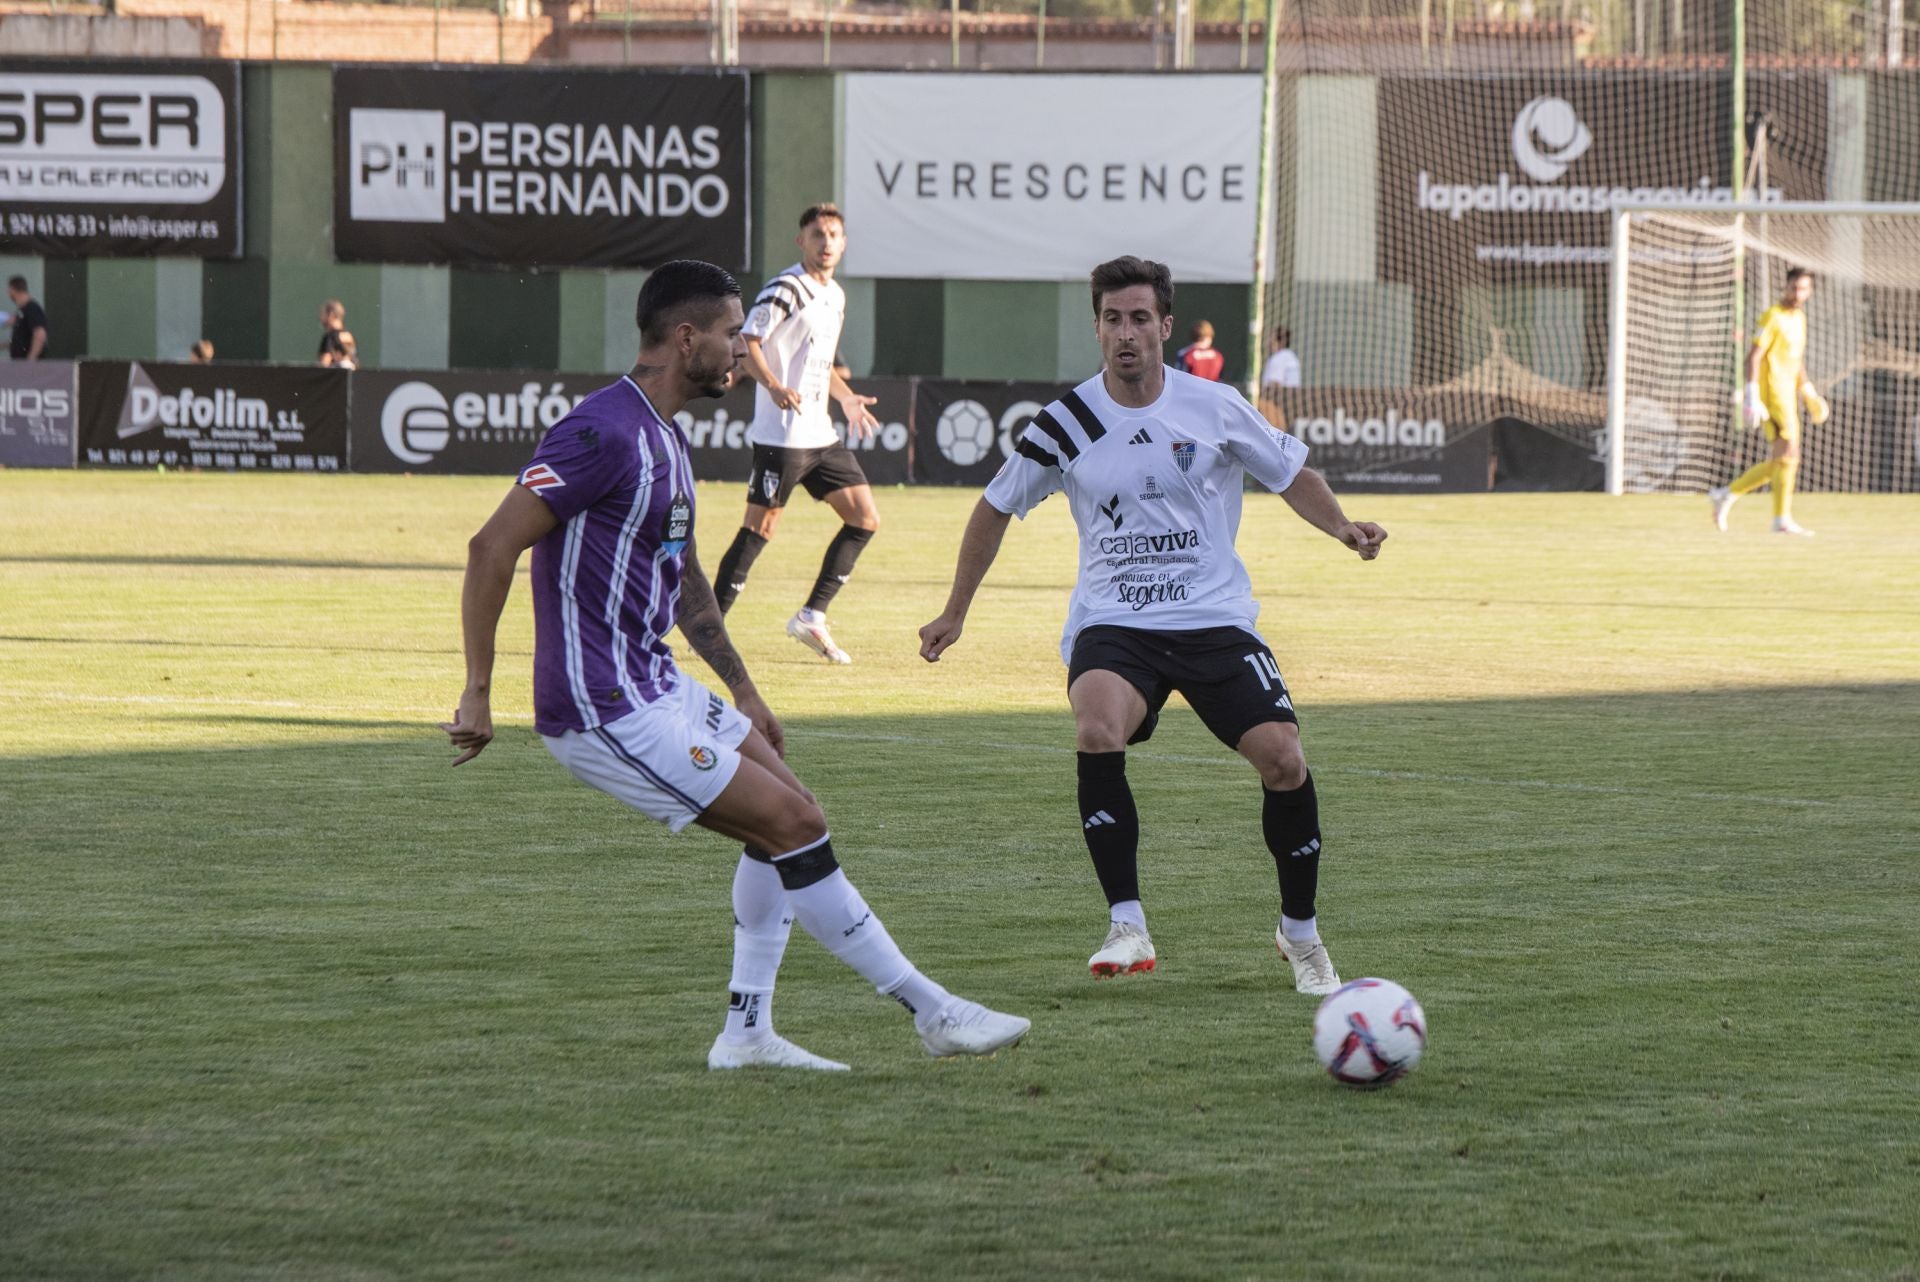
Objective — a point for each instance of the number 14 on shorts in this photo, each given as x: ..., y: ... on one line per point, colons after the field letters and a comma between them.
x: 1269, y: 673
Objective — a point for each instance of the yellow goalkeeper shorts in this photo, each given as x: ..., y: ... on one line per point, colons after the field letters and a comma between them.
x: 1783, y: 418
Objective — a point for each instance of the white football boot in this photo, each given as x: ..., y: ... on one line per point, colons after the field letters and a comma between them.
x: 1313, y: 971
x: 771, y: 1051
x: 813, y: 634
x: 967, y: 1028
x: 1787, y: 525
x: 1722, y: 498
x: 1127, y: 950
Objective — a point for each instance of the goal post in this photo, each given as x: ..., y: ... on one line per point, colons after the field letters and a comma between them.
x: 1675, y: 340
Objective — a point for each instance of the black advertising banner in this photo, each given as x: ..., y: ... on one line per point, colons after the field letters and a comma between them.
x: 964, y: 431
x: 280, y: 418
x: 36, y: 413
x: 489, y: 422
x: 1528, y: 457
x: 567, y: 168
x: 484, y: 422
x: 103, y: 159
x: 1391, y: 440
x: 721, y: 451
x: 1515, y: 176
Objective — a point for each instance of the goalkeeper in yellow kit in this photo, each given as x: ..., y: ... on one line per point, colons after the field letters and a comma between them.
x: 1776, y: 384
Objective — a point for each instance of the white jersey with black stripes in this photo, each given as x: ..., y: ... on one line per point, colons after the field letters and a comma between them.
x: 797, y: 321
x: 1155, y: 493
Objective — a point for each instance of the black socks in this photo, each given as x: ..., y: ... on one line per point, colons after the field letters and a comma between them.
x: 1110, y: 824
x: 1292, y: 824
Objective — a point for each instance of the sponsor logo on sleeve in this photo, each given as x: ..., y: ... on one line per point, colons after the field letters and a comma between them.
x: 540, y: 478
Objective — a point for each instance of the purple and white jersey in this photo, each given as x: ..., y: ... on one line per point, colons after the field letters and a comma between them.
x: 606, y: 580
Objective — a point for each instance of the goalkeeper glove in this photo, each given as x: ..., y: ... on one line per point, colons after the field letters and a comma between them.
x: 1817, y: 408
x: 1756, y: 411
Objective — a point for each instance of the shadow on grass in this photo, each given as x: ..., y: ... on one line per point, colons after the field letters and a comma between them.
x: 1834, y: 750
x: 455, y: 1009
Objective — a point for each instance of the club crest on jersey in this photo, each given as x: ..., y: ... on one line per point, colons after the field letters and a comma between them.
x: 704, y: 758
x: 679, y: 523
x: 1183, y: 452
x: 540, y: 478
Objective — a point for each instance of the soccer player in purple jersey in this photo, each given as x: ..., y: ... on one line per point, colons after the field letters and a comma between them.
x: 607, y: 506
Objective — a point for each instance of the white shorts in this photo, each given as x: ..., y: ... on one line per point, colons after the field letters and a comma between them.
x: 668, y: 759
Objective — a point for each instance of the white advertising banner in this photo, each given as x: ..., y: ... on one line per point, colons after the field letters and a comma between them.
x: 1039, y: 177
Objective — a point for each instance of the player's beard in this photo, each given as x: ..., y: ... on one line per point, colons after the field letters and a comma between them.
x: 711, y: 380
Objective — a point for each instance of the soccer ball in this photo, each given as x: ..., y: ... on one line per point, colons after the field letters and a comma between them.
x: 1369, y: 1033
x: 965, y: 433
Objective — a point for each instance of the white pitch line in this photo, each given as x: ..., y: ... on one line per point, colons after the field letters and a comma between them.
x: 1359, y: 772
x: 207, y: 701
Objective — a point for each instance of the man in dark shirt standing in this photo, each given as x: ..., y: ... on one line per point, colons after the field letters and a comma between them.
x: 333, y: 334
x: 29, y: 322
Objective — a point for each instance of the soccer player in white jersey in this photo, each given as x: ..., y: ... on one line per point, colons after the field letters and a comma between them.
x: 1151, y: 460
x: 793, y: 343
x: 607, y: 506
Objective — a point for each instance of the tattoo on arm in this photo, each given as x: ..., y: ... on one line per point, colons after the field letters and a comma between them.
x: 704, y: 628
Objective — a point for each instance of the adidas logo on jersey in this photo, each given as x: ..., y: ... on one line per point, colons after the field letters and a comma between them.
x: 1097, y: 818
x: 1140, y: 438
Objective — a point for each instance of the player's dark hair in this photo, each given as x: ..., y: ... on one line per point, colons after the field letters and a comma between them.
x: 1283, y: 336
x: 677, y: 289
x: 825, y: 209
x: 1121, y: 273
x: 17, y: 282
x: 1795, y: 273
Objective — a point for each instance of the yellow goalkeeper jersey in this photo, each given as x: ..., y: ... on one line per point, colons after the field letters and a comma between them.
x: 1782, y: 340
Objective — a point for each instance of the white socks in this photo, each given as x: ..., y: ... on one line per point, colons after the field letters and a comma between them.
x: 1129, y: 911
x: 762, y: 921
x: 1300, y: 932
x: 834, y: 913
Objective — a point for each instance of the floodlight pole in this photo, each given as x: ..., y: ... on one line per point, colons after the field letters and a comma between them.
x: 1263, y: 202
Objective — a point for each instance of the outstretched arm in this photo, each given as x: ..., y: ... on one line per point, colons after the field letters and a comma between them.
x: 521, y: 520
x: 855, y: 406
x: 1313, y: 499
x: 705, y: 629
x: 978, y: 546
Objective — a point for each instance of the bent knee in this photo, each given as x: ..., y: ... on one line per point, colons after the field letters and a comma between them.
x: 1100, y: 736
x: 799, y: 823
x: 1283, y: 770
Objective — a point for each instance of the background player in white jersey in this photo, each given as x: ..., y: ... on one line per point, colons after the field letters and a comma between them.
x: 1151, y: 460
x: 793, y: 343
x: 607, y: 505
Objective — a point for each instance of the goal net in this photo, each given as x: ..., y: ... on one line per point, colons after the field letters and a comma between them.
x: 1688, y: 291
x: 1444, y: 180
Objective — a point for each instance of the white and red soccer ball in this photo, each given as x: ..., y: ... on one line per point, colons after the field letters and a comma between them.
x: 1369, y: 1033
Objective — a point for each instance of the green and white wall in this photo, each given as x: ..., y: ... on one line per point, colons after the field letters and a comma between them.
x: 265, y: 306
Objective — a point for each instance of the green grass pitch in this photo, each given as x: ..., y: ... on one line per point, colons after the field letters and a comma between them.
x: 1634, y: 808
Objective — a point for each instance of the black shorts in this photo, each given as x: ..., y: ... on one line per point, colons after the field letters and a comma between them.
x: 1228, y: 675
x: 777, y: 470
